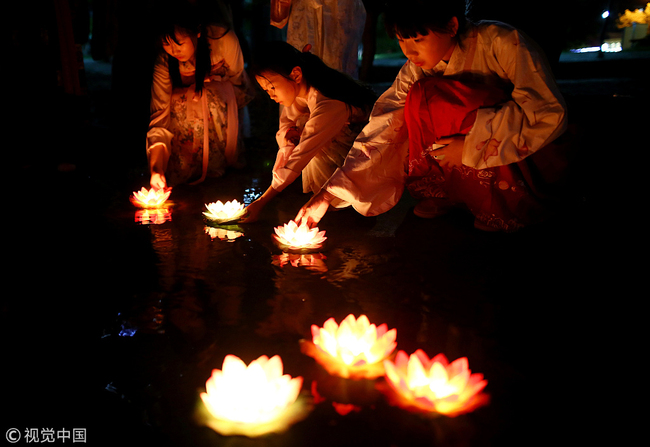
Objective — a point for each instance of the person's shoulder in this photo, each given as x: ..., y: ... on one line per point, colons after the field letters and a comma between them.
x: 491, y: 29
x: 221, y: 35
x: 493, y: 34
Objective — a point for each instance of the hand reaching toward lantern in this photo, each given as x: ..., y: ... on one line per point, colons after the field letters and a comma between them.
x: 314, y: 210
x: 158, y: 181
x: 252, y: 212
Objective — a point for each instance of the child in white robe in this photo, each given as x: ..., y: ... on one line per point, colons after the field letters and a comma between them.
x: 447, y: 148
x: 323, y: 111
x: 199, y: 85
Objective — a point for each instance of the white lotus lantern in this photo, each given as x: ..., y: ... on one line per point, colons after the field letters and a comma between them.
x: 295, y: 237
x: 219, y: 212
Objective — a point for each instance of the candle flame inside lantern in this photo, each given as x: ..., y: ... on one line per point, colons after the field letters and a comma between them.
x: 150, y: 198
x: 293, y: 236
x: 353, y: 349
x: 435, y: 385
x: 255, y: 394
x: 224, y: 212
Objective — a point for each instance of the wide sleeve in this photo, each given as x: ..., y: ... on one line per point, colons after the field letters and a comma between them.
x: 228, y: 62
x: 326, y: 119
x: 372, y: 177
x: 534, y: 117
x: 161, y: 94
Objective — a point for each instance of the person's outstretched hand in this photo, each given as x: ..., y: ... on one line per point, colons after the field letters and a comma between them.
x: 158, y: 181
x: 313, y: 211
x: 252, y: 212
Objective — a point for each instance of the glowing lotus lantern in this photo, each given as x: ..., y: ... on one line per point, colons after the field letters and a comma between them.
x: 354, y: 349
x: 252, y: 400
x: 294, y: 237
x: 219, y: 212
x: 435, y: 385
x: 150, y: 198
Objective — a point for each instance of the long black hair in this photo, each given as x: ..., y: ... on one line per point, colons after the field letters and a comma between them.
x: 190, y: 19
x: 408, y: 18
x: 281, y: 58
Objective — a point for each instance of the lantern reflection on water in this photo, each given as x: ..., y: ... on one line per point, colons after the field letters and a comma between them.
x: 224, y: 234
x: 355, y: 349
x: 434, y: 385
x: 155, y: 216
x: 150, y: 198
x: 310, y: 261
x: 219, y: 212
x: 252, y: 400
x: 295, y: 237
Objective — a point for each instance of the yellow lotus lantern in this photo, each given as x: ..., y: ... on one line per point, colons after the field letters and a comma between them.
x: 295, y: 237
x: 354, y: 349
x: 435, y: 385
x: 252, y: 400
x: 220, y: 212
x: 150, y: 198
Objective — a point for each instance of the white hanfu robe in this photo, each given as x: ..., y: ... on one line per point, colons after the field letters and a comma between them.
x: 326, y: 128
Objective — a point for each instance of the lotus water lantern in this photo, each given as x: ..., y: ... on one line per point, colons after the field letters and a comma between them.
x: 435, y: 385
x: 354, y: 349
x: 252, y: 400
x: 219, y: 212
x: 295, y: 237
x: 150, y: 198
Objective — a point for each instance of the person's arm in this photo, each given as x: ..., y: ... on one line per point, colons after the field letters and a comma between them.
x: 229, y: 50
x: 158, y: 136
x: 327, y: 117
x: 255, y: 208
x: 373, y: 175
x: 534, y: 117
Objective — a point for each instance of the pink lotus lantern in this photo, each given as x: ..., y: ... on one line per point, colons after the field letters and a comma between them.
x: 355, y: 349
x: 252, y: 400
x: 219, y: 212
x: 150, y: 198
x: 294, y: 237
x: 435, y: 385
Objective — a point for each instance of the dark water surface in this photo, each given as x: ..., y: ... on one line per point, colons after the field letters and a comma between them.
x: 114, y: 325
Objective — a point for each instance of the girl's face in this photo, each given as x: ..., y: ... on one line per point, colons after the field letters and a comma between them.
x: 184, y: 49
x: 281, y: 90
x: 426, y: 51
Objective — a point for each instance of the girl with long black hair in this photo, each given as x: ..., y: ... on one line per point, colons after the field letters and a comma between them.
x: 199, y: 86
x: 323, y: 110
